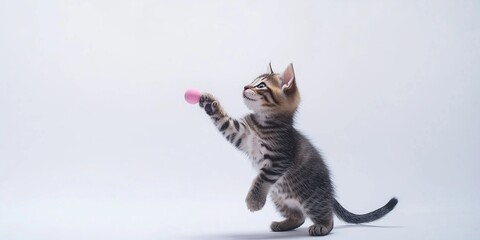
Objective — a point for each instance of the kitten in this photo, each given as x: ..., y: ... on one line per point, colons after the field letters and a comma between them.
x: 289, y: 167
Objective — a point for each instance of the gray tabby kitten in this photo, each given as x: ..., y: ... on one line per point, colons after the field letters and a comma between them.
x: 289, y: 167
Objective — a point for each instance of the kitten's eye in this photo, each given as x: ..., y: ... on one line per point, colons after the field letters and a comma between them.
x: 261, y: 85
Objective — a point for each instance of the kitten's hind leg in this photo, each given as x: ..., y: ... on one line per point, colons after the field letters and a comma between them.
x: 323, y: 225
x: 294, y: 221
x: 294, y: 217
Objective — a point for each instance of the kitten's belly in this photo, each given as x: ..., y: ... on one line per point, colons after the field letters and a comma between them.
x: 281, y: 189
x: 283, y: 193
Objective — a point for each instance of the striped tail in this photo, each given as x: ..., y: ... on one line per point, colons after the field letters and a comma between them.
x: 349, y: 217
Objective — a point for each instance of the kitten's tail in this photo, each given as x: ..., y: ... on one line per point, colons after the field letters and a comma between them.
x: 349, y: 217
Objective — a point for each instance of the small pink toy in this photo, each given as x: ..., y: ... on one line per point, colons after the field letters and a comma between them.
x: 192, y: 96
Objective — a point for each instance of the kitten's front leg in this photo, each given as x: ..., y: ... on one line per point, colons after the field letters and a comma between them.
x: 211, y: 105
x: 233, y: 130
x: 268, y: 176
x: 257, y: 196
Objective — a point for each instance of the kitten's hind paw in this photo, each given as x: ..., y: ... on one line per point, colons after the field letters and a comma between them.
x: 319, y: 230
x: 286, y: 225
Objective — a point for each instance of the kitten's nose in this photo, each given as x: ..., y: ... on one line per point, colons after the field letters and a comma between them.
x: 246, y: 87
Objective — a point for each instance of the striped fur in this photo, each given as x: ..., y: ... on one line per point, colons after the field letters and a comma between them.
x: 289, y: 167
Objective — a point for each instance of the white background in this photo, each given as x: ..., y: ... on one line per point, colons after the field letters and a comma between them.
x: 97, y: 142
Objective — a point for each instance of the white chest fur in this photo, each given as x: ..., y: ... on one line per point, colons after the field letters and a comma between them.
x: 255, y: 151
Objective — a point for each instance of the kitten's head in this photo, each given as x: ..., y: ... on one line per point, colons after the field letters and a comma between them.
x: 273, y: 93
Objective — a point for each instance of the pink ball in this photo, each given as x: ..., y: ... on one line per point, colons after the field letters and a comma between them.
x: 192, y: 96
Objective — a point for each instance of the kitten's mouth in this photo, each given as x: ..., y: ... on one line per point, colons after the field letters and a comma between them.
x: 245, y: 96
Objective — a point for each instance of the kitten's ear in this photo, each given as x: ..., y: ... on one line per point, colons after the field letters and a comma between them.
x: 288, y: 78
x: 270, y: 67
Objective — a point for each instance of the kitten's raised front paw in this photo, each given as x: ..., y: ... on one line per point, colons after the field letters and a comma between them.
x: 209, y: 103
x: 255, y: 202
